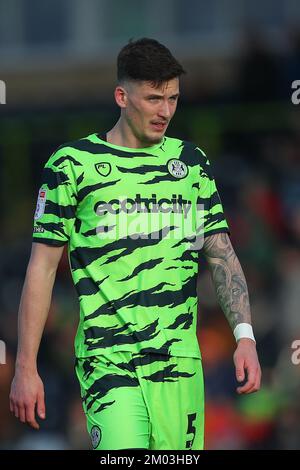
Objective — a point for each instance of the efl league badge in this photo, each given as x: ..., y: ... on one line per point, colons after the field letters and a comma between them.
x: 103, y: 168
x: 177, y: 168
x: 41, y: 203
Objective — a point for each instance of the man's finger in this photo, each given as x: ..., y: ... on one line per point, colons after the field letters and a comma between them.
x: 16, y: 411
x: 239, y: 370
x: 41, y: 409
x: 247, y: 388
x: 257, y: 383
x: 30, y: 417
x: 250, y: 384
x: 22, y: 414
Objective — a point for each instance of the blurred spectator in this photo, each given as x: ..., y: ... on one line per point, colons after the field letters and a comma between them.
x: 260, y: 78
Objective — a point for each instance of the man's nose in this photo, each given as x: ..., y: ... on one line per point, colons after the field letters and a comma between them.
x: 164, y: 110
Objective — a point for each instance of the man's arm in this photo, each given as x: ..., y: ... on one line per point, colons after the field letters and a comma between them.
x: 27, y: 390
x: 232, y: 293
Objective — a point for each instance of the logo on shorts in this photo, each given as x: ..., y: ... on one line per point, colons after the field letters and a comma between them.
x: 41, y: 203
x: 103, y: 168
x: 95, y: 436
x: 177, y: 168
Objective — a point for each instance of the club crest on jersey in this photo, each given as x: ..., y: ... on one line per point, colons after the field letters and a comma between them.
x: 103, y: 168
x: 177, y: 168
x: 41, y: 203
x: 95, y: 436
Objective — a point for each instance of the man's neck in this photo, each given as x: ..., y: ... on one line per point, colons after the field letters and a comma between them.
x: 122, y: 136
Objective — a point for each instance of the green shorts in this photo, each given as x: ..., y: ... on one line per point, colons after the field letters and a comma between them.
x: 142, y: 401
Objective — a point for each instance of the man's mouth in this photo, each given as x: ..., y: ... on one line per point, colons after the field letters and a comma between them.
x: 159, y: 125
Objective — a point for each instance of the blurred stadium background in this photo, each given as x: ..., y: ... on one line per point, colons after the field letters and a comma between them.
x: 57, y: 58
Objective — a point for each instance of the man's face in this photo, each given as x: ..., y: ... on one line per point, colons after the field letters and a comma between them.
x: 149, y: 109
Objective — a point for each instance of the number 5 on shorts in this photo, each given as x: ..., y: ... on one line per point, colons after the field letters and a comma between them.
x: 191, y: 430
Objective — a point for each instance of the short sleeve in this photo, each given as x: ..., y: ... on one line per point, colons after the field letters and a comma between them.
x: 214, y: 220
x: 55, y: 212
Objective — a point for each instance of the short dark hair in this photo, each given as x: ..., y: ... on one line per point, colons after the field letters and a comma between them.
x: 147, y: 59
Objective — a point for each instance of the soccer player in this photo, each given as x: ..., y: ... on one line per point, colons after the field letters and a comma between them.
x: 127, y: 203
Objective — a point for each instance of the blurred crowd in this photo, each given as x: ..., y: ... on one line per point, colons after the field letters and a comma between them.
x: 251, y: 132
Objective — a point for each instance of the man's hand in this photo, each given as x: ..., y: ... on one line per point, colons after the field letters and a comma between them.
x: 27, y: 396
x: 245, y: 359
x: 27, y: 390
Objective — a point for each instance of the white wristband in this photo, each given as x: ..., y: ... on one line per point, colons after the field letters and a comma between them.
x: 243, y: 330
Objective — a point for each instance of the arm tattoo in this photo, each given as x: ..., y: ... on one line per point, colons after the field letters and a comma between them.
x: 228, y: 278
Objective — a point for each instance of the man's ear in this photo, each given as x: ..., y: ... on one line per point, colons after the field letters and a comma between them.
x: 121, y: 96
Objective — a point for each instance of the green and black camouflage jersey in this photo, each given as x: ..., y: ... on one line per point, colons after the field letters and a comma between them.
x: 132, y: 223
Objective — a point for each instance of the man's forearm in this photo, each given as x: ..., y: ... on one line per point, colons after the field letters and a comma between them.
x: 228, y: 278
x: 33, y: 312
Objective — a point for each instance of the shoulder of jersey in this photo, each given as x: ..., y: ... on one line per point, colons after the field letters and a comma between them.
x: 69, y: 149
x: 77, y: 144
x: 191, y: 146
